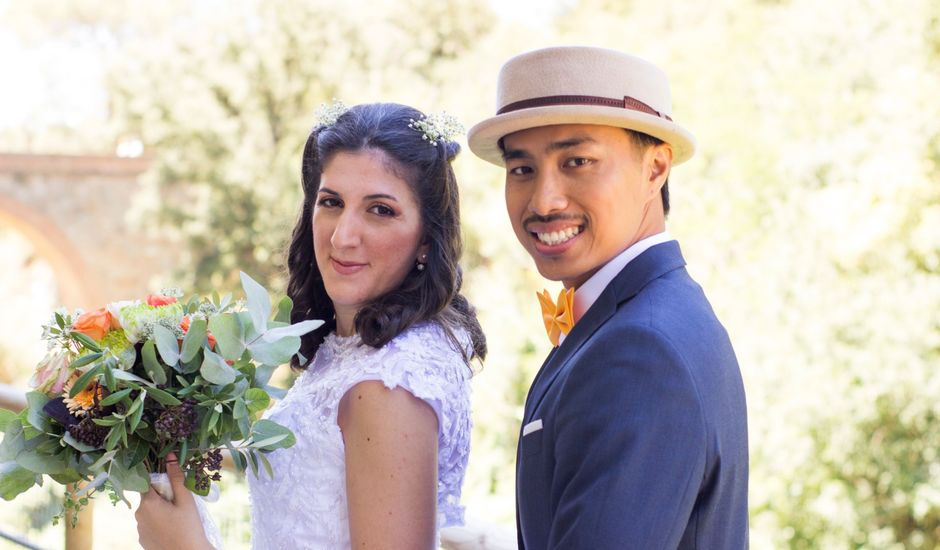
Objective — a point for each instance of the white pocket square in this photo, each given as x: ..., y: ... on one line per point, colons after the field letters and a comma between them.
x: 533, y: 426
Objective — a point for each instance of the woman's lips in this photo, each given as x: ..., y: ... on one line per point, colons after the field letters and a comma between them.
x: 346, y: 268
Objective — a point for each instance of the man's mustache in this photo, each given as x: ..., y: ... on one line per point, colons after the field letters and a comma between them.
x: 552, y: 218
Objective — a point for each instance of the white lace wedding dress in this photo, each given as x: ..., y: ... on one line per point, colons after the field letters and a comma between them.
x: 304, y: 506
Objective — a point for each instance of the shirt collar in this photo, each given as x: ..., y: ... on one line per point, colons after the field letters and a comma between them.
x: 588, y: 293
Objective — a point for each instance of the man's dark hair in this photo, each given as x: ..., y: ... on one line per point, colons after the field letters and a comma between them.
x: 644, y: 142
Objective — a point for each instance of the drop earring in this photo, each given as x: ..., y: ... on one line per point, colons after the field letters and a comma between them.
x: 421, y: 261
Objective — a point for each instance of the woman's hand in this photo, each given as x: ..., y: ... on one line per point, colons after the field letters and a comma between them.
x: 170, y: 525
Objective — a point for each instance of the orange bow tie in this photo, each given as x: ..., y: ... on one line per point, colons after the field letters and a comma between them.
x: 558, y: 317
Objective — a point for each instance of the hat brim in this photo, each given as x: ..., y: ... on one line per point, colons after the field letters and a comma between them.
x: 484, y: 137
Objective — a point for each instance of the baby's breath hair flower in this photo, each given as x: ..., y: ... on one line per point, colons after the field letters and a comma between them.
x: 328, y: 114
x: 437, y: 127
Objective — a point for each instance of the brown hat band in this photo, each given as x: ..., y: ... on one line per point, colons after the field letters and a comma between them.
x: 626, y: 103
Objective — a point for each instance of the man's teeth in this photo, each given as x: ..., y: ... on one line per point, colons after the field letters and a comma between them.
x: 558, y: 237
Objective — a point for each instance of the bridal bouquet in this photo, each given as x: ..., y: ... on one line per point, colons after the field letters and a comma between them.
x: 126, y: 384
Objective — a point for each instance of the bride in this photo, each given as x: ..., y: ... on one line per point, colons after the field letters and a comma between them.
x: 381, y: 411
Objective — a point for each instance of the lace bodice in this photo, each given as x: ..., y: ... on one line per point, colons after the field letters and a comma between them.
x: 304, y: 506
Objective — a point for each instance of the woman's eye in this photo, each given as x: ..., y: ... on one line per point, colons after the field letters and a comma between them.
x: 382, y: 210
x: 328, y: 202
x: 577, y: 161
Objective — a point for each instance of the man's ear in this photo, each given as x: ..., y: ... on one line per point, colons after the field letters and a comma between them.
x: 659, y: 163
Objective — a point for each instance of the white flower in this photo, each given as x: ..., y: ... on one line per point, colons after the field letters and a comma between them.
x: 138, y: 320
x: 327, y: 115
x: 438, y: 127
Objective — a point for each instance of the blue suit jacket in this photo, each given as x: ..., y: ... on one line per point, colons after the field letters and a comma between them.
x: 643, y: 439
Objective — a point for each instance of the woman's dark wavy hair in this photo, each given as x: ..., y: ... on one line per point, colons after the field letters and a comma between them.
x: 429, y: 295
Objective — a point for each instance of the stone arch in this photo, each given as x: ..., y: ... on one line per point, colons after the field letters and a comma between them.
x: 54, y: 246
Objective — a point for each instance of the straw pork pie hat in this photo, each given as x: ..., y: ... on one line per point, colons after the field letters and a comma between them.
x: 580, y: 85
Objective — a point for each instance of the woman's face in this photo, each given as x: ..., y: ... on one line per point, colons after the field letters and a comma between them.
x: 366, y: 230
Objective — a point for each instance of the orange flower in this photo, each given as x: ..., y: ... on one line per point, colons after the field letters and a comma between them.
x: 94, y: 324
x: 184, y: 324
x: 160, y: 300
x: 84, y: 400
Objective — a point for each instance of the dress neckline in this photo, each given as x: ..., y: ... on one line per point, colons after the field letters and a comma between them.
x: 337, y: 343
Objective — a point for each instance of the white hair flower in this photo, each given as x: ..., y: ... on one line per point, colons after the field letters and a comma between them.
x: 438, y: 127
x: 328, y: 114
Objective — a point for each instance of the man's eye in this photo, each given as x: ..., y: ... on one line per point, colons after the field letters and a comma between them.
x: 577, y: 161
x: 520, y: 170
x: 328, y: 202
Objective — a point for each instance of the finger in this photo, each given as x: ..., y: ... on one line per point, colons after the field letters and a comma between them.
x: 177, y: 479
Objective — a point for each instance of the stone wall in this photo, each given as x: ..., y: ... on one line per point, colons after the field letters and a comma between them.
x: 86, y: 216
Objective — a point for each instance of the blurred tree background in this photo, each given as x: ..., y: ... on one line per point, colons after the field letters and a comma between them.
x: 810, y: 214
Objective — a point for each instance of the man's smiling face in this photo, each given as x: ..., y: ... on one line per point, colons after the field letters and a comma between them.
x: 579, y: 194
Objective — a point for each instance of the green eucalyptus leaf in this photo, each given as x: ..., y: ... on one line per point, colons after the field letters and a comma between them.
x: 109, y: 379
x: 263, y: 374
x: 167, y: 345
x: 6, y: 416
x: 130, y: 377
x: 229, y: 335
x: 162, y: 397
x: 81, y: 447
x: 214, y: 422
x: 194, y: 340
x: 253, y: 461
x: 274, y: 353
x: 13, y: 442
x: 152, y: 366
x: 259, y: 303
x: 284, y: 308
x: 70, y: 475
x: 267, y: 443
x: 115, y: 397
x: 130, y: 479
x: 298, y: 329
x: 86, y: 341
x: 37, y: 417
x: 264, y: 430
x: 108, y: 421
x: 267, y: 465
x: 140, y: 452
x: 42, y: 463
x: 114, y: 436
x: 257, y: 400
x: 84, y: 379
x: 86, y: 359
x: 137, y: 404
x: 138, y: 413
x: 239, y: 410
x: 15, y: 479
x: 244, y: 427
x: 102, y: 460
x: 50, y: 446
x: 216, y: 371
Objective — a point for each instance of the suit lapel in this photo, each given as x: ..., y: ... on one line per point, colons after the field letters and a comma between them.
x: 645, y: 268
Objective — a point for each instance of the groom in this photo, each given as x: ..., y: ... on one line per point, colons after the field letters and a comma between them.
x: 635, y: 429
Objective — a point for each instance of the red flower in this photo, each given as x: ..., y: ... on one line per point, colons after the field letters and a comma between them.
x: 160, y: 300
